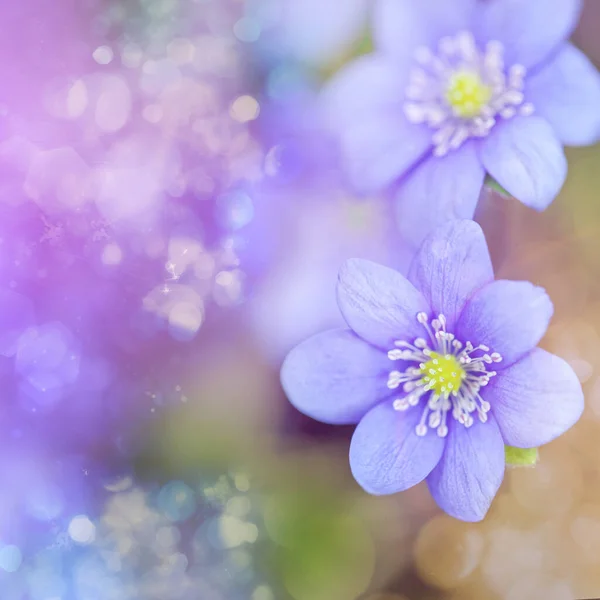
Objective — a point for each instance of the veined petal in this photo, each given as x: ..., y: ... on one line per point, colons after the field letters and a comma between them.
x: 566, y: 92
x: 535, y: 400
x: 379, y: 304
x: 437, y: 191
x: 510, y: 317
x: 525, y: 157
x: 470, y: 472
x: 401, y: 26
x: 335, y: 377
x: 387, y: 456
x: 452, y: 264
x: 529, y: 30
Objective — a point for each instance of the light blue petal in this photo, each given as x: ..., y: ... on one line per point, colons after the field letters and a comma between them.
x: 437, y: 191
x: 566, y: 92
x: 387, y: 456
x: 318, y: 36
x: 335, y: 377
x: 363, y: 106
x: 470, y: 472
x: 400, y: 26
x: 363, y: 88
x: 529, y: 30
x: 535, y: 400
x: 452, y: 264
x: 379, y: 150
x: 379, y: 304
x: 510, y: 317
x: 525, y: 157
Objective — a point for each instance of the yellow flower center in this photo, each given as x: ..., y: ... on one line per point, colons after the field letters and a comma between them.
x: 467, y: 94
x: 443, y: 374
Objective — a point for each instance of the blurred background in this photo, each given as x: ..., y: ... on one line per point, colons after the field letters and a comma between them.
x: 172, y: 219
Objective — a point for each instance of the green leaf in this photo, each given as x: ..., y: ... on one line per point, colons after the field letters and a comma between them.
x: 520, y: 457
x: 492, y: 184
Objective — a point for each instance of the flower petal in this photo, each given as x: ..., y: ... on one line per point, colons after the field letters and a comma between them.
x: 364, y: 87
x: 437, y: 191
x: 387, y: 456
x: 362, y: 105
x: 524, y: 156
x: 535, y: 400
x: 380, y: 149
x: 379, y: 304
x: 452, y: 264
x: 335, y: 377
x: 529, y: 30
x: 566, y: 92
x: 510, y: 317
x: 470, y: 472
x: 400, y: 26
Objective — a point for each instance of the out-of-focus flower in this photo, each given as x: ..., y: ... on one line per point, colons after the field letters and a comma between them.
x: 440, y: 412
x: 458, y: 89
x: 318, y: 230
x: 303, y: 31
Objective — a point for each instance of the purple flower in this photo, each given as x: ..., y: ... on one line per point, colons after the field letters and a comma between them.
x: 309, y: 232
x: 302, y: 30
x: 439, y: 370
x: 460, y: 88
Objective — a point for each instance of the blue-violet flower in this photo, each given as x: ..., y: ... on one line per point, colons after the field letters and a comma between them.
x: 302, y: 30
x: 440, y: 371
x: 460, y: 88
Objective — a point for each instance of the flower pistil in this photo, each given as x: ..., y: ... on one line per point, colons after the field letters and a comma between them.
x: 448, y: 373
x: 460, y: 91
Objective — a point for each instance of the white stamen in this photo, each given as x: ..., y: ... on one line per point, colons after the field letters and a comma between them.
x: 401, y: 405
x: 427, y: 378
x: 426, y: 93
